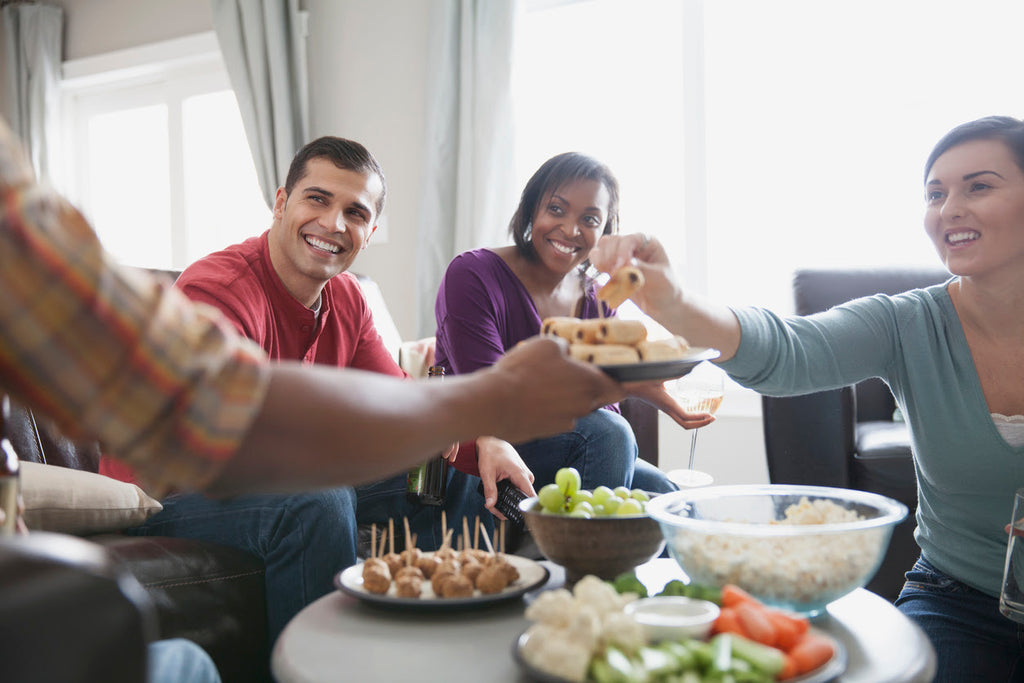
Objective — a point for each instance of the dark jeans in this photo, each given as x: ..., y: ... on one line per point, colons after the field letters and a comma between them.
x: 972, y: 639
x: 306, y: 539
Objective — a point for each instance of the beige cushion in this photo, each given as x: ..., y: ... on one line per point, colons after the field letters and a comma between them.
x: 72, y: 501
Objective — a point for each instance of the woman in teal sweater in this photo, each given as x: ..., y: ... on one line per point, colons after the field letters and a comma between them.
x: 953, y: 355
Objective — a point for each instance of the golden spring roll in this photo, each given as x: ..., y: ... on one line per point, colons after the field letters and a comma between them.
x: 651, y: 351
x: 604, y: 354
x: 560, y: 326
x: 623, y: 283
x: 628, y: 332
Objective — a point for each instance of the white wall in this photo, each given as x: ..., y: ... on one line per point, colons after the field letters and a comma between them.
x: 382, y: 106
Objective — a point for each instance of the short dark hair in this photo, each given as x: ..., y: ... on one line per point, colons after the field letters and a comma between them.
x: 554, y: 173
x: 1006, y: 129
x: 346, y: 154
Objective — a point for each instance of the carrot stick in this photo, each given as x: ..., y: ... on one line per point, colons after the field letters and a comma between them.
x: 811, y: 652
x: 728, y: 622
x: 789, y: 669
x: 733, y: 595
x: 753, y: 617
x: 789, y: 628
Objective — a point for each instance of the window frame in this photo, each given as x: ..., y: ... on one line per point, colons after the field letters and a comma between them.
x: 166, y: 73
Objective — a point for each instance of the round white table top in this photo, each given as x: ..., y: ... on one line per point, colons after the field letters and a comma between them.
x: 340, y: 638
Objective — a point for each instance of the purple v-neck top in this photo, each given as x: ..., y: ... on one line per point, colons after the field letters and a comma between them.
x: 483, y: 309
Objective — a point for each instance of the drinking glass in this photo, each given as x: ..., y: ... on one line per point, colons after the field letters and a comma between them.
x: 1011, y: 597
x: 700, y: 391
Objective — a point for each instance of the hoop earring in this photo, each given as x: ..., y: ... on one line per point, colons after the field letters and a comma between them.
x: 528, y: 233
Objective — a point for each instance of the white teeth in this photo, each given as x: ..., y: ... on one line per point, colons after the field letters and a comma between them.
x: 320, y: 244
x: 564, y: 249
x: 965, y: 236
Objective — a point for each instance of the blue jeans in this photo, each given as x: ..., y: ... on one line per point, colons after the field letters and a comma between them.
x: 602, y: 447
x: 176, y: 660
x: 305, y: 539
x: 972, y: 639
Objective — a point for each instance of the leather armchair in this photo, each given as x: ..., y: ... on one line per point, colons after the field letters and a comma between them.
x: 848, y: 437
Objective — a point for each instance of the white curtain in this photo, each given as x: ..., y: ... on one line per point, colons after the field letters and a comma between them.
x: 263, y: 42
x: 31, y: 79
x: 468, y: 192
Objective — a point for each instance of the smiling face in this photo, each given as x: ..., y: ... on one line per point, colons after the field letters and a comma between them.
x: 568, y: 222
x: 321, y: 226
x: 975, y: 208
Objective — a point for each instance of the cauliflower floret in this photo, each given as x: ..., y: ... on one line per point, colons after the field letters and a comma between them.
x: 623, y: 631
x: 555, y: 651
x: 598, y: 594
x: 555, y: 607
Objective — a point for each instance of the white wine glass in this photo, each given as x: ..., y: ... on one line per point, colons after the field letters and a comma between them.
x: 699, y: 391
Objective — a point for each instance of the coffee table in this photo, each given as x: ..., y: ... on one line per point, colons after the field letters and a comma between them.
x: 340, y: 638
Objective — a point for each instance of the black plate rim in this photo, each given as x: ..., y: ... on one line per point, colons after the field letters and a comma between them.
x: 667, y: 369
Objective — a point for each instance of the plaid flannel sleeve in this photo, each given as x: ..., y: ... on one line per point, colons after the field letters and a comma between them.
x: 111, y: 353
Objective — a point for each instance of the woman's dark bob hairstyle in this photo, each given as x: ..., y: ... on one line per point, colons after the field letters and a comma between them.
x: 1006, y: 129
x: 554, y: 173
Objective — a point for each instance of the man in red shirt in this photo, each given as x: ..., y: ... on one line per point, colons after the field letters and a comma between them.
x: 288, y: 290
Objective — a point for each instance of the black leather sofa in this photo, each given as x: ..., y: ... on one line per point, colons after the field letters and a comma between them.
x: 849, y: 437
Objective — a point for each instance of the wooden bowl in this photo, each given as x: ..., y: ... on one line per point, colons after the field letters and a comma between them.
x: 602, y: 546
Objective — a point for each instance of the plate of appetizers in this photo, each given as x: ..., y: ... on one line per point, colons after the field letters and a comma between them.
x: 464, y: 584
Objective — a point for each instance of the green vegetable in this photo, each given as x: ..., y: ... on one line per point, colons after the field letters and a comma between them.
x: 657, y: 662
x: 685, y: 659
x: 627, y: 582
x: 764, y: 659
x: 616, y: 667
x: 692, y: 590
x: 721, y: 653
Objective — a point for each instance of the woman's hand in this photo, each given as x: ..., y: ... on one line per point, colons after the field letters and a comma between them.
x: 498, y: 460
x: 661, y: 295
x: 658, y: 396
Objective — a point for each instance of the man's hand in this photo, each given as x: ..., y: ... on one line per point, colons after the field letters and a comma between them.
x: 498, y: 460
x: 543, y: 391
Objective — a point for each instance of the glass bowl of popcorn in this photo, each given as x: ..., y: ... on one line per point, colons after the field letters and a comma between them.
x: 795, y: 547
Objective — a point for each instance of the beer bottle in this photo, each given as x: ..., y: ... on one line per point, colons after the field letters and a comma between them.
x: 426, y: 483
x: 9, y: 474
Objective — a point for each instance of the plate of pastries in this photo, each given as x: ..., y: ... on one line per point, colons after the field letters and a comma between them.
x: 621, y: 348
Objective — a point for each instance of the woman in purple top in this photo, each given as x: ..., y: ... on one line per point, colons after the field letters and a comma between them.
x: 491, y: 299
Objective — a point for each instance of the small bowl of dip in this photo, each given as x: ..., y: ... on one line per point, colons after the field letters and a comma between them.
x: 666, y: 617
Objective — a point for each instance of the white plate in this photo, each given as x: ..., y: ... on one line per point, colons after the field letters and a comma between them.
x: 531, y: 575
x: 828, y: 671
x: 659, y: 370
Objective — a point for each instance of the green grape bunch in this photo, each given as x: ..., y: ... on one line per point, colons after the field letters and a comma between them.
x: 565, y: 497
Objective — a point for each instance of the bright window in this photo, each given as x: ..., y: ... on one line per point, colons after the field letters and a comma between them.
x: 758, y: 137
x: 160, y: 163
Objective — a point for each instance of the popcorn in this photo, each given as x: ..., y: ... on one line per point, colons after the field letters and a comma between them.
x: 786, y: 569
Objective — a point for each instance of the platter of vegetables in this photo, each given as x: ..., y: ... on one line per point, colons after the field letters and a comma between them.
x: 585, y: 636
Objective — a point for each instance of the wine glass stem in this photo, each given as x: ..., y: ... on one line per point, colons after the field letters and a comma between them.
x: 693, y: 446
